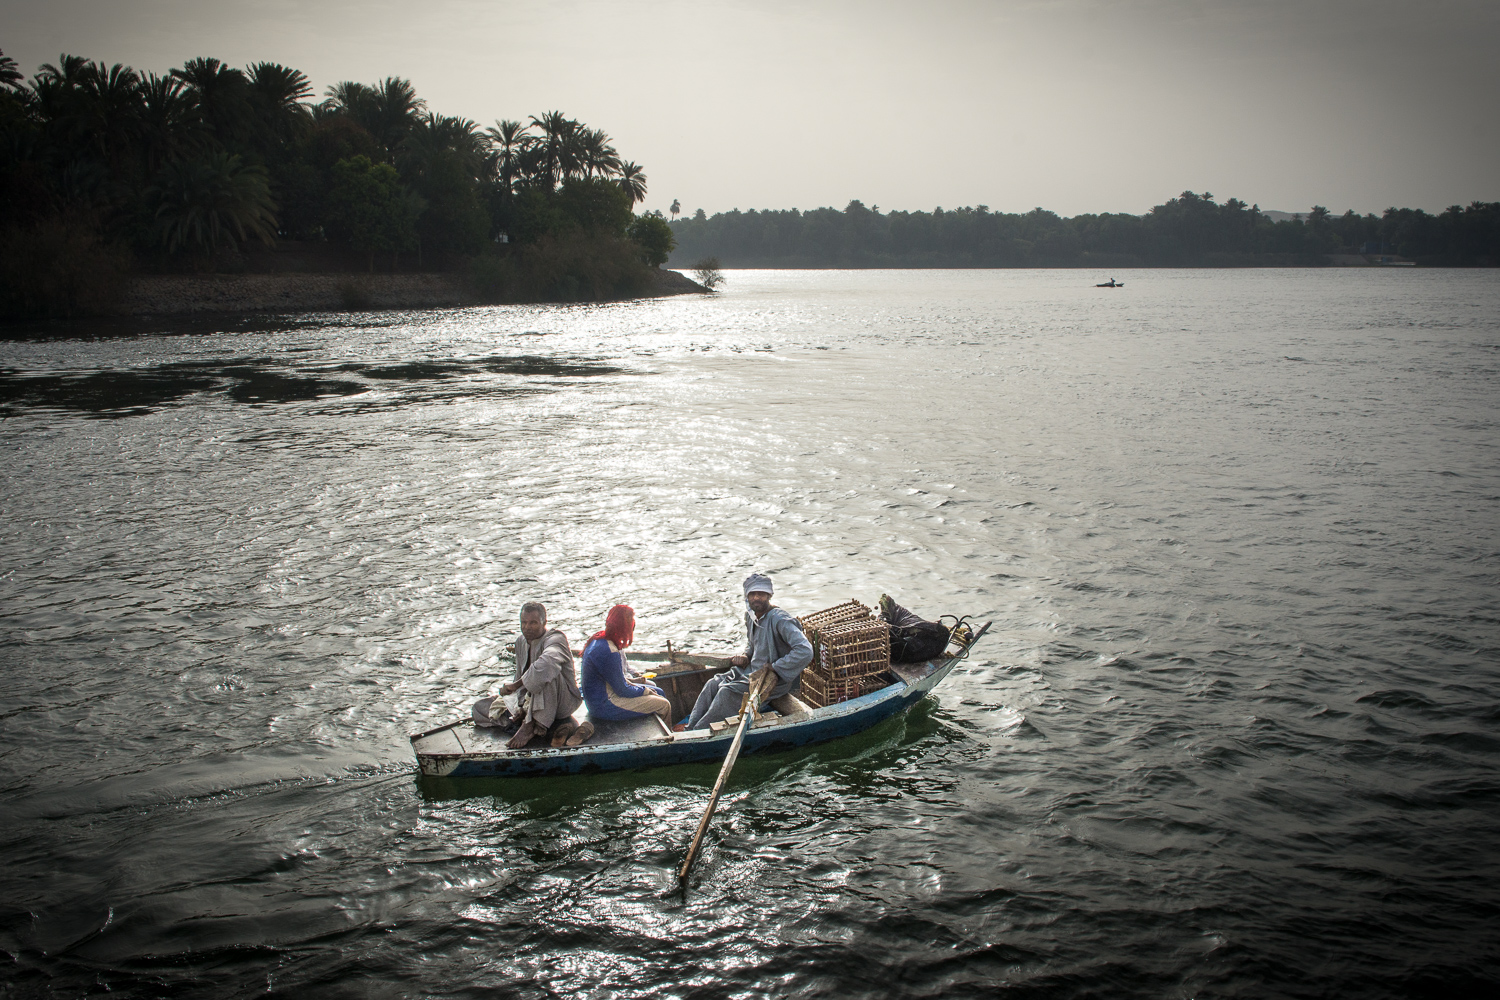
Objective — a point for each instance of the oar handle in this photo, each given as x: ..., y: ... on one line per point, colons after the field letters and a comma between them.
x: 713, y: 798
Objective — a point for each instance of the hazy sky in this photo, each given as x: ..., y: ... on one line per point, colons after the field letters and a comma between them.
x: 1073, y: 105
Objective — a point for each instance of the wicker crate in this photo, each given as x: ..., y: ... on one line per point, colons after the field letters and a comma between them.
x: 836, y: 615
x: 850, y: 648
x: 819, y: 692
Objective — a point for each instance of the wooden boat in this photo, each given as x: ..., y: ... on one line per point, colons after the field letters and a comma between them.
x: 462, y: 749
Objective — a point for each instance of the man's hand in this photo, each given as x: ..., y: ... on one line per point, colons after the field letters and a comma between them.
x: 762, y: 683
x: 739, y: 661
x: 510, y: 688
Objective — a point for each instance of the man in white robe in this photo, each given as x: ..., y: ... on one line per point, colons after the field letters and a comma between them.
x: 546, y: 676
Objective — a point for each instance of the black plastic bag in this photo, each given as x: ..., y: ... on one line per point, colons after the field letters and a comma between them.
x: 913, y: 639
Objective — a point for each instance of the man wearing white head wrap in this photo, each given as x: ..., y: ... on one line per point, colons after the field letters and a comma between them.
x: 776, y: 652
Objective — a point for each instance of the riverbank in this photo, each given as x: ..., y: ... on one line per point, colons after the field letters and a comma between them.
x: 176, y: 294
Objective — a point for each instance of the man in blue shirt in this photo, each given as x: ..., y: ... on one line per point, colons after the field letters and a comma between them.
x: 776, y: 653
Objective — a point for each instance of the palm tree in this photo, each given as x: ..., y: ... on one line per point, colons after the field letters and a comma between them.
x: 554, y: 149
x: 435, y: 137
x: 387, y: 111
x: 89, y: 119
x: 279, y: 87
x: 633, y: 181
x: 68, y: 71
x: 222, y: 95
x: 10, y: 74
x: 675, y: 209
x: 279, y: 93
x: 109, y: 111
x: 349, y: 98
x: 209, y: 203
x: 595, y: 154
x: 53, y: 100
x: 395, y: 108
x: 510, y: 141
x: 170, y: 127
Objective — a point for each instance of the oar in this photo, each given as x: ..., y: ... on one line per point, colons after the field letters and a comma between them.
x: 713, y: 799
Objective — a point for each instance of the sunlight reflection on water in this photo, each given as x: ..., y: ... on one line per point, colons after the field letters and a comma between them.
x: 1235, y: 722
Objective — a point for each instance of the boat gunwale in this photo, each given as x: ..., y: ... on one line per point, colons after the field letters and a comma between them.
x: 836, y: 711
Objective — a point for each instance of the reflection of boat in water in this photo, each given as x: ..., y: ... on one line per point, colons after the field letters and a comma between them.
x: 1111, y: 283
x: 463, y: 750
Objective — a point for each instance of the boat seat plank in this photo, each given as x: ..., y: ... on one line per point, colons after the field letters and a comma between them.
x: 790, y: 704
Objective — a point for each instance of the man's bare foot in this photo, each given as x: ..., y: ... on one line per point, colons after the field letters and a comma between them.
x: 679, y: 728
x: 523, y: 736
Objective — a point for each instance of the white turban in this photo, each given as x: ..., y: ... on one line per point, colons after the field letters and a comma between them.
x: 757, y: 582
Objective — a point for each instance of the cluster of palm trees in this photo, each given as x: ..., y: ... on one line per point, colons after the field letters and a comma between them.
x: 547, y: 152
x: 209, y: 155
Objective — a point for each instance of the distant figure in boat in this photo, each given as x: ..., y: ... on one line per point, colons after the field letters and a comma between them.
x: 610, y: 688
x: 913, y: 639
x: 1111, y: 283
x: 546, y: 678
x: 776, y: 653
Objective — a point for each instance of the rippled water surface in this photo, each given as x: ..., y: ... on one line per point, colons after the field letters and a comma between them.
x: 1236, y: 730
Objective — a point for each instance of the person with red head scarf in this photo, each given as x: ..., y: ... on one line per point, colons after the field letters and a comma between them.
x: 608, y: 689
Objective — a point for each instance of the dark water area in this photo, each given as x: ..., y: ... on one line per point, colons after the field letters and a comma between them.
x: 1235, y: 733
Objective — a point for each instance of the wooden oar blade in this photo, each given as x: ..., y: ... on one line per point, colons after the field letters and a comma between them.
x: 713, y: 798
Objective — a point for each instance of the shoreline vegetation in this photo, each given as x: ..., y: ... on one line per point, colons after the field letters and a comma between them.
x: 1191, y: 230
x: 111, y: 179
x: 116, y: 185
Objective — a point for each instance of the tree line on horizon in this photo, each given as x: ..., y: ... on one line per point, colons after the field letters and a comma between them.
x: 1191, y: 230
x: 104, y: 169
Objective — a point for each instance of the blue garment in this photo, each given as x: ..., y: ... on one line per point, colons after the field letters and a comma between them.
x: 777, y: 640
x: 603, y: 671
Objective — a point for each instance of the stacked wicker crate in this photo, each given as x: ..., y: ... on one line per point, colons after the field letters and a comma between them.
x: 851, y: 650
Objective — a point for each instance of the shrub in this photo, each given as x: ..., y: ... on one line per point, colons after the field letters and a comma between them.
x: 573, y: 267
x: 653, y: 235
x: 59, y: 268
x: 371, y: 208
x: 494, y: 279
x: 219, y: 201
x: 596, y: 205
x: 708, y: 274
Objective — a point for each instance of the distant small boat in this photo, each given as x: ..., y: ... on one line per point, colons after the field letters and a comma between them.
x: 463, y: 750
x: 1111, y: 283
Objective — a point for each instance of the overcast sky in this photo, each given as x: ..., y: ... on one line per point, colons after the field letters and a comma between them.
x: 1073, y: 105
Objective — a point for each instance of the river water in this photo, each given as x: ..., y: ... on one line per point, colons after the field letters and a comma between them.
x: 1235, y: 731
